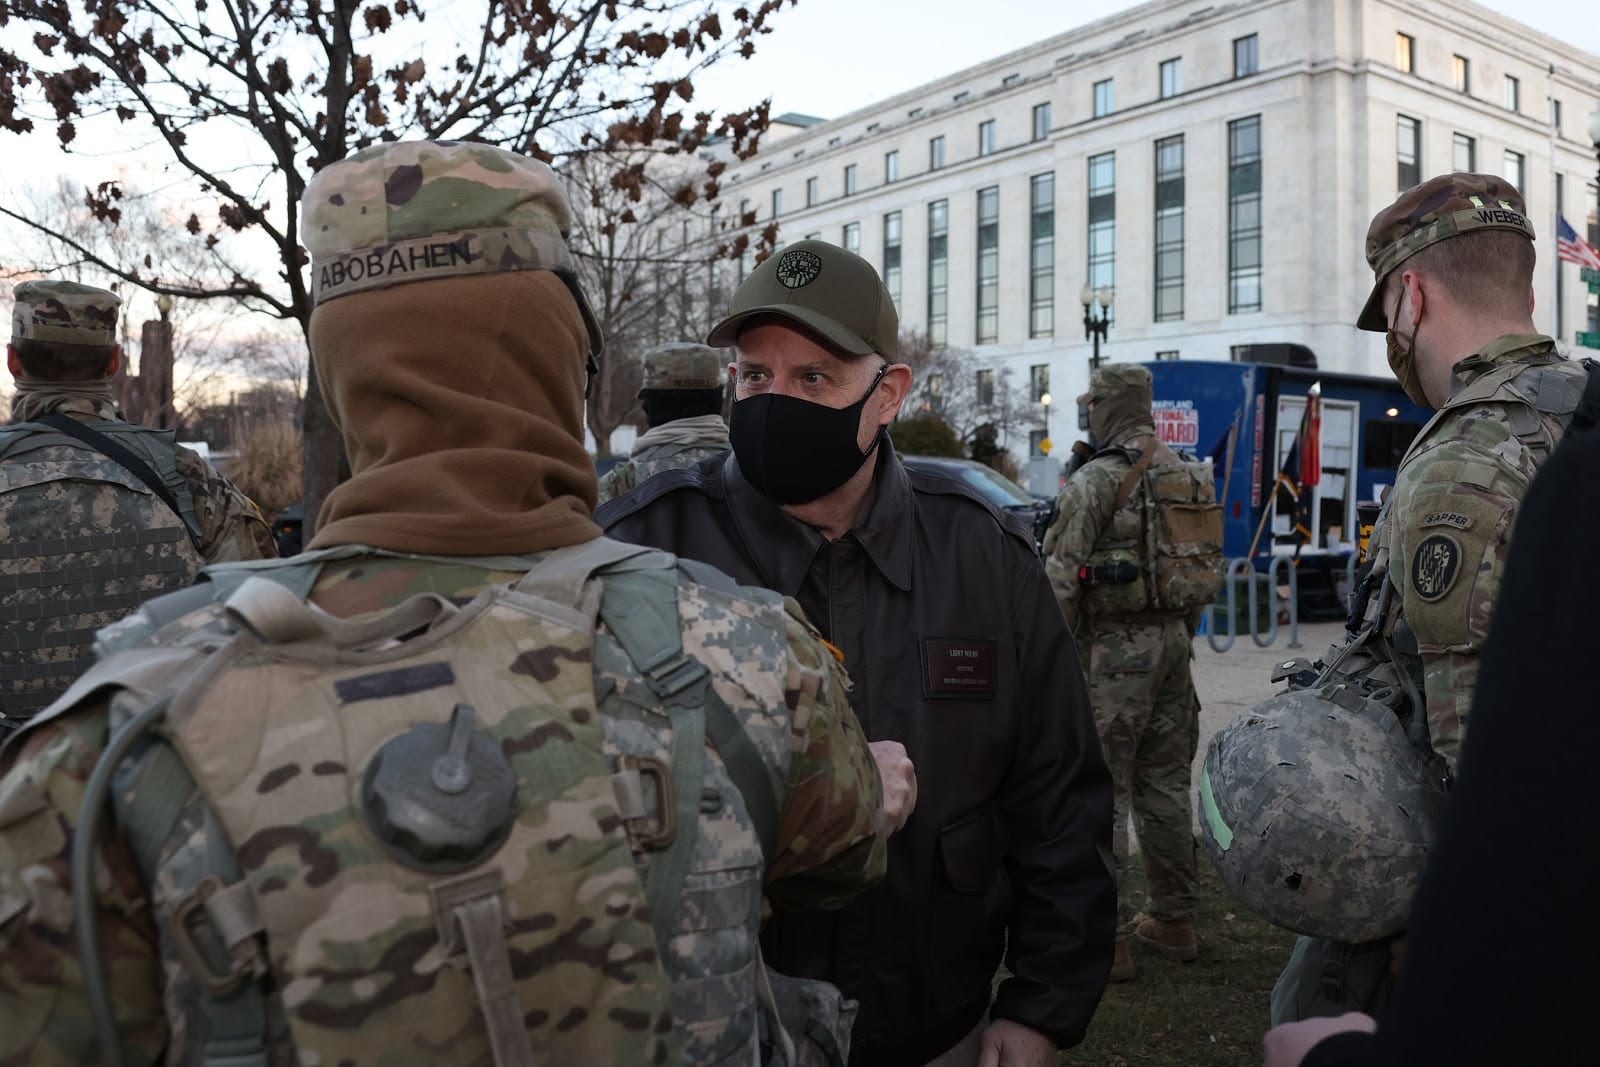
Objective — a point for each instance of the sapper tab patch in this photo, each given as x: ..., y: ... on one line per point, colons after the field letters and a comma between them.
x: 1448, y: 518
x: 952, y: 667
x: 1435, y: 567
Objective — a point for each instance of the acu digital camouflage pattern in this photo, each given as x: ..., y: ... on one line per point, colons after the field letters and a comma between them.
x: 1437, y: 210
x: 85, y: 541
x: 1319, y: 813
x: 278, y: 741
x: 1446, y: 530
x: 670, y: 446
x: 412, y: 211
x: 64, y: 313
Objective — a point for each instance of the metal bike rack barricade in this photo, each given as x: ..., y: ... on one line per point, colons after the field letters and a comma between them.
x: 1293, y: 581
x: 1241, y: 572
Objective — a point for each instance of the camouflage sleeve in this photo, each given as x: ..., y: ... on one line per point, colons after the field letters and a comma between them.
x: 1085, y: 509
x: 615, y: 482
x: 44, y: 1013
x: 834, y: 846
x: 231, y: 526
x: 1453, y: 531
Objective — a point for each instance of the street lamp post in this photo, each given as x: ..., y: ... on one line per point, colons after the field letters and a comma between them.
x: 1594, y: 138
x: 1096, y: 325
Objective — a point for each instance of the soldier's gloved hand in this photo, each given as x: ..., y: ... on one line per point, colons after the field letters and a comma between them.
x: 899, y: 782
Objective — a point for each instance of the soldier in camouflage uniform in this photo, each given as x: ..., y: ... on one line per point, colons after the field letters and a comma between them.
x: 1106, y: 567
x: 1455, y: 255
x: 682, y: 397
x: 93, y: 528
x: 467, y: 783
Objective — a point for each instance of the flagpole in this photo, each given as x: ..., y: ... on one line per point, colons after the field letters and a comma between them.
x: 1555, y: 188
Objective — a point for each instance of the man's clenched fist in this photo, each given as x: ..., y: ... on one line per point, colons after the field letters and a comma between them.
x: 899, y: 782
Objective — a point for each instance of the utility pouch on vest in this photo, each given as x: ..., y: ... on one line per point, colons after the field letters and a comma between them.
x: 1185, y: 523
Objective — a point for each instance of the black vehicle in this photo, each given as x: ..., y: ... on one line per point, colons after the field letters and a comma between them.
x: 993, y: 486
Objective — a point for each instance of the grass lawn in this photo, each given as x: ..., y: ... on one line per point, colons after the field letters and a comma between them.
x: 1210, y: 1013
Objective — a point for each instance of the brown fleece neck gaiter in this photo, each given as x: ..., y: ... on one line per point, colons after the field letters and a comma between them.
x: 461, y: 404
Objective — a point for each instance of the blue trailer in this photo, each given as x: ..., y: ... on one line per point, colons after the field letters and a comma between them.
x: 1367, y: 425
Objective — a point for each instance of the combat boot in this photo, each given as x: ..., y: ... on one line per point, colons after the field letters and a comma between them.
x: 1175, y: 940
x: 1122, y: 968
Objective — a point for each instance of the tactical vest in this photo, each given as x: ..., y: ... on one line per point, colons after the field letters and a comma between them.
x: 466, y: 835
x: 86, y: 541
x: 1162, y: 551
x: 1543, y: 399
x: 668, y: 457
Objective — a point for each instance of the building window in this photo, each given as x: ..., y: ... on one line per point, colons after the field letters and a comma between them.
x: 891, y: 255
x: 1245, y: 60
x: 938, y: 271
x: 777, y: 202
x: 850, y: 180
x: 891, y: 167
x: 1103, y: 221
x: 1041, y: 121
x: 811, y: 192
x: 935, y: 153
x: 1244, y: 215
x: 1515, y: 169
x: 1555, y: 115
x: 1513, y: 94
x: 1169, y: 229
x: 852, y: 237
x: 1169, y: 355
x: 1038, y: 381
x: 986, y: 137
x: 1042, y: 261
x: 1405, y: 47
x: 1461, y: 74
x: 1171, y: 78
x: 984, y: 389
x: 1464, y: 153
x: 745, y: 218
x: 1103, y: 102
x: 988, y: 265
x: 1408, y: 151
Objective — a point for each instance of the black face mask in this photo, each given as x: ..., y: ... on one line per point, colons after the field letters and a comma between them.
x: 796, y: 451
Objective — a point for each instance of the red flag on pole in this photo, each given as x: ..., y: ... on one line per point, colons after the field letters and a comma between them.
x: 1310, y: 472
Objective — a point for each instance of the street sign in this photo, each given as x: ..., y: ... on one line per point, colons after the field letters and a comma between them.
x: 1590, y: 275
x: 1045, y: 446
x: 1594, y: 287
x: 1589, y: 340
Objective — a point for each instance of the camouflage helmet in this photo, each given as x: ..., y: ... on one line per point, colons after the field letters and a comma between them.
x: 1319, y: 814
x: 1114, y: 378
x: 1440, y: 208
x: 412, y: 211
x: 64, y: 313
x: 684, y: 365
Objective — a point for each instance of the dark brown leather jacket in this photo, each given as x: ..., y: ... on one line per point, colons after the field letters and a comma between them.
x: 956, y: 649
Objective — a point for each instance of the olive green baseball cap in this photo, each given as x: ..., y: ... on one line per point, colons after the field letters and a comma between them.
x: 833, y: 293
x: 1440, y: 208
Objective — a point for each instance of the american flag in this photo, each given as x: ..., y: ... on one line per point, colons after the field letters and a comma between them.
x: 1574, y: 249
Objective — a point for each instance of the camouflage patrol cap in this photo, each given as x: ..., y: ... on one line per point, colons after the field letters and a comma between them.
x: 834, y: 293
x: 414, y: 211
x: 682, y: 366
x: 64, y: 312
x: 1113, y: 379
x: 1437, y: 210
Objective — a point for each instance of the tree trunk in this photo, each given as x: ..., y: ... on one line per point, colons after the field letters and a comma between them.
x: 323, y: 449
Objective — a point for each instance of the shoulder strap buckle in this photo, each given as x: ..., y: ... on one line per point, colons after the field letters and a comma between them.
x: 230, y: 917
